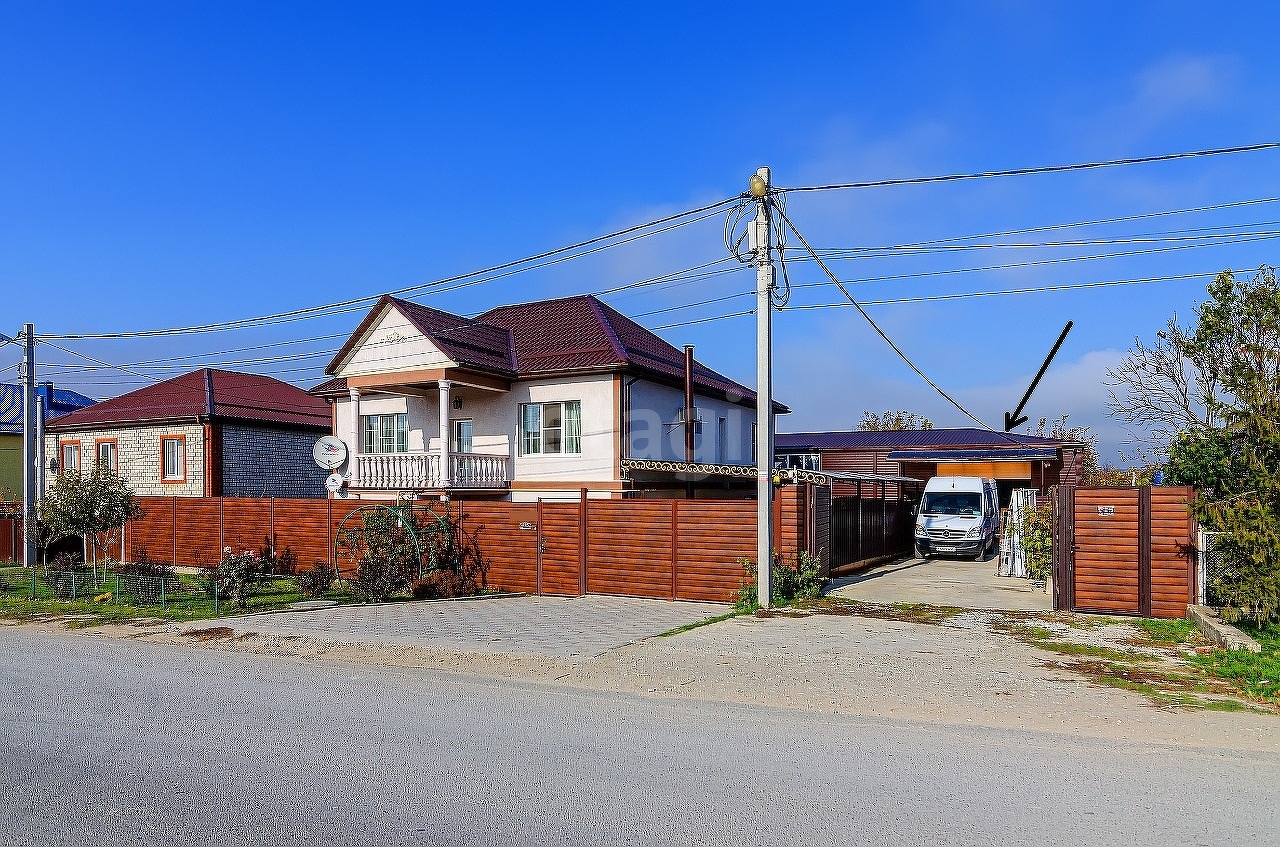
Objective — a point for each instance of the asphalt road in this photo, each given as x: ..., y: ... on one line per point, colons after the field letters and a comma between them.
x: 105, y: 741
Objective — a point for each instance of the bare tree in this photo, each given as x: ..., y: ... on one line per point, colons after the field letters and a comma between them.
x: 1172, y: 385
x: 891, y: 420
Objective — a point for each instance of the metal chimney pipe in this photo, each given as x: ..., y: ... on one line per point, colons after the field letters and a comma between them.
x: 688, y: 416
x: 688, y: 403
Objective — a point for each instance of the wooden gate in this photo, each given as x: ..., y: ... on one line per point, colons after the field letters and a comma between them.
x: 1124, y: 551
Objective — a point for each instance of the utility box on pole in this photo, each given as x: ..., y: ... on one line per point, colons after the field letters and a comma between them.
x: 761, y: 241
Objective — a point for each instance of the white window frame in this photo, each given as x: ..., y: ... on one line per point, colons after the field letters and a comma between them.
x: 74, y: 447
x: 112, y: 460
x: 179, y: 473
x: 383, y: 434
x: 459, y: 444
x: 535, y: 435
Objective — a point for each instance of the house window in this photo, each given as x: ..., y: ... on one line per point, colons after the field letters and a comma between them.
x: 70, y: 457
x: 173, y: 458
x: 385, y: 433
x: 108, y: 455
x: 800, y: 461
x: 754, y: 426
x: 462, y: 436
x: 551, y: 427
x: 722, y: 440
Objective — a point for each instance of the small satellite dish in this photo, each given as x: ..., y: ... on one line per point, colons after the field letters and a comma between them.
x: 333, y: 483
x: 329, y: 452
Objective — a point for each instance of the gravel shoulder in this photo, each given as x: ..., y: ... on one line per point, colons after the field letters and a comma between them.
x: 958, y: 671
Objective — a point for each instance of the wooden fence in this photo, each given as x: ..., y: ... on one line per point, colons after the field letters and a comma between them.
x: 10, y: 540
x: 669, y: 549
x: 1127, y: 551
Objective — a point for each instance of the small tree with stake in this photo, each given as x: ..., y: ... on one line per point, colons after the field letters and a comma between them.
x: 94, y: 506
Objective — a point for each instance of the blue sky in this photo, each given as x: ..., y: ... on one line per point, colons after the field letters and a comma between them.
x: 174, y: 164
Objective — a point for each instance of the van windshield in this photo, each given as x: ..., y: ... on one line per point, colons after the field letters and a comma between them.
x: 952, y: 503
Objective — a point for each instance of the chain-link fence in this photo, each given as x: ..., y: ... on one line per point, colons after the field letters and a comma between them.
x: 1214, y: 571
x: 197, y: 592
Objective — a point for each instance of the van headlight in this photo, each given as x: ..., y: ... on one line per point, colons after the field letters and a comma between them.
x: 920, y: 531
x: 973, y: 533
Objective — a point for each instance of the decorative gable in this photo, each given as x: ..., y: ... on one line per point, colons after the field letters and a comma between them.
x: 390, y: 345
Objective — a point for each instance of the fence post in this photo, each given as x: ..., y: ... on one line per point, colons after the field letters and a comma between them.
x: 582, y: 542
x: 675, y: 552
x: 1144, y: 550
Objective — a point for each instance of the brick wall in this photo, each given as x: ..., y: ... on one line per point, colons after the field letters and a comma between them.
x: 139, y: 456
x: 266, y: 462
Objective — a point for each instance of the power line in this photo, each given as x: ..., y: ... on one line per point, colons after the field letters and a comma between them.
x: 1044, y: 169
x: 347, y: 305
x: 1040, y: 289
x: 96, y: 361
x: 876, y: 326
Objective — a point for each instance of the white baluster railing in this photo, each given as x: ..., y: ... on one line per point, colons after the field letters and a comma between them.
x: 397, y: 470
x: 476, y: 470
x: 419, y: 470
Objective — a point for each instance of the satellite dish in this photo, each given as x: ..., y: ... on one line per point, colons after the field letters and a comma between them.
x: 333, y: 482
x: 329, y: 452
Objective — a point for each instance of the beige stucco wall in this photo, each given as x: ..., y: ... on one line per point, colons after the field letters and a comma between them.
x: 139, y: 457
x: 654, y: 410
x: 392, y: 345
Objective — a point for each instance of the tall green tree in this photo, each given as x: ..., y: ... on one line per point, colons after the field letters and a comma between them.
x: 1237, y: 466
x: 94, y: 506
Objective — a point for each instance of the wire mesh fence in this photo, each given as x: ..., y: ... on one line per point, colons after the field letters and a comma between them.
x: 1215, y: 571
x: 194, y: 592
x: 146, y: 589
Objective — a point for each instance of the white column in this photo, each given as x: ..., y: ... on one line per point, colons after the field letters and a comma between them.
x: 445, y: 386
x: 354, y: 446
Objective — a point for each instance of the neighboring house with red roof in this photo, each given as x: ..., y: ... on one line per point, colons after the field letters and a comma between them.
x: 209, y: 433
x: 536, y: 400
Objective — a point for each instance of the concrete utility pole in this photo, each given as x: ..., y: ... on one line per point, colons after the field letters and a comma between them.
x: 761, y: 242
x: 29, y: 451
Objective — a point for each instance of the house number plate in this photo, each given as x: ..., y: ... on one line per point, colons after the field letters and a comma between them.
x: 526, y: 525
x: 1106, y: 511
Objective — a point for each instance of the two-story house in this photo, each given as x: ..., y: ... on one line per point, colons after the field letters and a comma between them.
x: 535, y: 400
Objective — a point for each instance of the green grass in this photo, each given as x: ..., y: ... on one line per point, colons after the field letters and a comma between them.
x: 1179, y: 631
x: 696, y: 624
x: 189, y: 602
x: 1256, y: 674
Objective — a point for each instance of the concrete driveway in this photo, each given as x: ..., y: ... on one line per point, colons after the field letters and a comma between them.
x: 562, y: 627
x: 944, y: 582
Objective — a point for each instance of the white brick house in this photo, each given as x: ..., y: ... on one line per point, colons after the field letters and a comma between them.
x: 208, y: 433
x: 537, y: 400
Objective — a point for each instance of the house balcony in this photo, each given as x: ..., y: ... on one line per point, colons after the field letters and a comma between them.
x: 421, y: 470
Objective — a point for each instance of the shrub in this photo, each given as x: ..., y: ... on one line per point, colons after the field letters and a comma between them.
x: 443, y: 584
x: 797, y: 580
x: 317, y: 579
x: 1036, y: 531
x: 143, y: 578
x: 238, y: 576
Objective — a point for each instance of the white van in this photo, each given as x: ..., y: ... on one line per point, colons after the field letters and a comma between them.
x: 959, y: 516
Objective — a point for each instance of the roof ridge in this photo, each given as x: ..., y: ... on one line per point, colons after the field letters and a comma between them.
x: 597, y: 308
